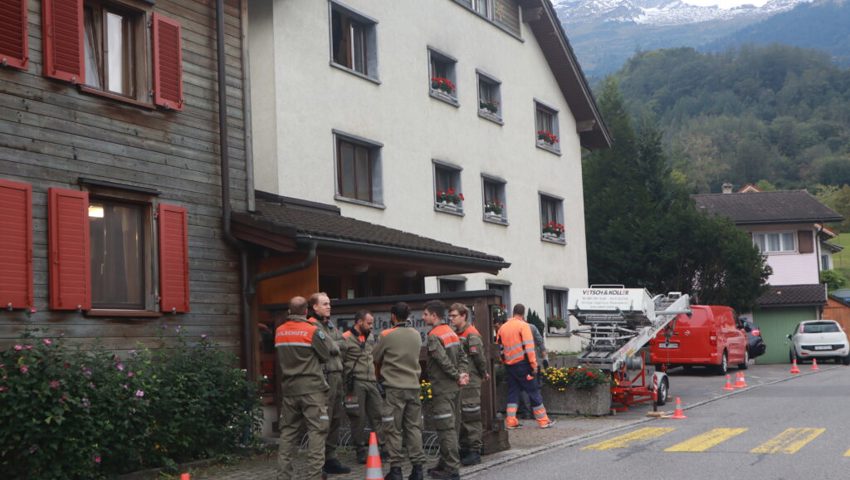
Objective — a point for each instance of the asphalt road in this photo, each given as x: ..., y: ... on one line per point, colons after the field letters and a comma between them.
x: 793, y: 429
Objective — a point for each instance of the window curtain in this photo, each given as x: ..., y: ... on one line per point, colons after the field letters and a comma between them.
x: 93, y: 49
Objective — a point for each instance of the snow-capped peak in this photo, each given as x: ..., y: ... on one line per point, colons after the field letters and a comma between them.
x: 665, y: 12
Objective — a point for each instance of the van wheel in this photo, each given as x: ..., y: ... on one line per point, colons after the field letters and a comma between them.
x: 723, y: 368
x: 846, y: 360
x: 746, y: 364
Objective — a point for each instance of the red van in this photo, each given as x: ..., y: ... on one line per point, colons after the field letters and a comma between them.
x: 710, y: 337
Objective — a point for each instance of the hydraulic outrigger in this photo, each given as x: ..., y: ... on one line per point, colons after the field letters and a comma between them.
x: 618, y: 322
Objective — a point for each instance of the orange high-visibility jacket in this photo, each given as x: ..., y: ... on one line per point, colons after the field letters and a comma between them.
x: 516, y: 342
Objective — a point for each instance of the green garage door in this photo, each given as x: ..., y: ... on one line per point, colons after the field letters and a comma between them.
x: 775, y: 324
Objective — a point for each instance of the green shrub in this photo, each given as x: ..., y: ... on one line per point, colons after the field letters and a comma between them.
x: 534, y: 319
x: 68, y: 413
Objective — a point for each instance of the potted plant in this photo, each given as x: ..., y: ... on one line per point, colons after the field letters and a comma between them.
x: 489, y: 107
x: 493, y: 209
x: 556, y: 325
x: 553, y: 230
x: 449, y: 199
x: 442, y: 85
x: 545, y: 137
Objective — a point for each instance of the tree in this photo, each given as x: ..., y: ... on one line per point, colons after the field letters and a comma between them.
x: 643, y: 229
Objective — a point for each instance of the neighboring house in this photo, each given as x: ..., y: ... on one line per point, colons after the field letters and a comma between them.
x: 788, y: 228
x: 110, y: 185
x: 461, y: 121
x: 838, y: 309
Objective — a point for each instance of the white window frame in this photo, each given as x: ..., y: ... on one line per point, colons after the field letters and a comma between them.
x: 548, y: 308
x: 762, y: 241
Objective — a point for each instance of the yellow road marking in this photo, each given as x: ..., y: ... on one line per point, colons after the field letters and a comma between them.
x: 623, y: 441
x: 847, y: 453
x: 789, y: 441
x: 704, y: 441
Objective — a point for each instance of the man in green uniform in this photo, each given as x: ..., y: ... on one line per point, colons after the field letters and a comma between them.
x: 470, y: 394
x: 397, y: 357
x: 361, y: 383
x: 320, y: 305
x: 447, y: 370
x: 302, y: 351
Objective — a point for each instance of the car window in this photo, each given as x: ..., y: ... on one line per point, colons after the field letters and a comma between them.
x: 820, y: 327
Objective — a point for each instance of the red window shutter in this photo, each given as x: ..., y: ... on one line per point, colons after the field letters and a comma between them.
x: 69, y: 256
x: 173, y: 258
x: 167, y: 63
x: 15, y: 244
x: 13, y: 33
x: 62, y: 32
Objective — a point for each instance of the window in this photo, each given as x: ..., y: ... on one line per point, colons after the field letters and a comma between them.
x: 113, y: 55
x: 353, y: 42
x: 448, y: 193
x: 826, y: 262
x: 448, y: 285
x: 555, y: 309
x: 503, y: 13
x: 775, y: 242
x: 547, y: 127
x: 489, y: 98
x: 442, y: 77
x: 358, y: 170
x: 495, y: 209
x: 121, y: 267
x: 106, y: 247
x: 504, y: 291
x: 111, y: 47
x: 552, y: 218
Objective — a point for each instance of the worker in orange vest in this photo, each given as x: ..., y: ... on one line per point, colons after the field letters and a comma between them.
x: 516, y: 346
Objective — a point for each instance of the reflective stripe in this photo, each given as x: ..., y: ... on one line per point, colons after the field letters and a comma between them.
x: 293, y: 344
x: 514, y: 356
x: 452, y: 344
x: 528, y: 342
x: 387, y: 419
x: 442, y: 416
x: 471, y: 409
x: 324, y: 417
x: 374, y: 472
x: 352, y: 405
x: 539, y: 411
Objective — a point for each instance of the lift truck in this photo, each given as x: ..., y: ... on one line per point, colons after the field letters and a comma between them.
x: 617, y: 323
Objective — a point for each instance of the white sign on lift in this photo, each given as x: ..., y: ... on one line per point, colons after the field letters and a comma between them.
x: 607, y: 299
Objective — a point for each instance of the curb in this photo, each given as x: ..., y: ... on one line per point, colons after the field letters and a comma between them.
x: 570, y: 441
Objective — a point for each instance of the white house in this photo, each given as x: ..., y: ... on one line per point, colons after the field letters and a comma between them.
x: 458, y: 120
x: 788, y: 228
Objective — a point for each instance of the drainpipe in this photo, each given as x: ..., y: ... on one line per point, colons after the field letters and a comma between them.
x: 248, y: 341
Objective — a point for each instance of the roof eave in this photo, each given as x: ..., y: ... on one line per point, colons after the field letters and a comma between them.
x: 785, y: 220
x: 594, y: 134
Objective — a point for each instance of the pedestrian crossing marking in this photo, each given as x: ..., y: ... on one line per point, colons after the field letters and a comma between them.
x: 789, y: 441
x: 623, y: 441
x: 706, y: 440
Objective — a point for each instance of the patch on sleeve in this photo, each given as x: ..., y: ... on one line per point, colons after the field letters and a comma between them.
x: 473, y: 349
x: 321, y: 334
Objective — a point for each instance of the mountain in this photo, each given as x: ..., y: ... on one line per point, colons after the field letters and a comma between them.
x: 605, y: 33
x: 821, y: 26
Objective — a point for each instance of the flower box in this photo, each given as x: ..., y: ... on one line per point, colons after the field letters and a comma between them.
x: 551, y: 236
x: 547, y: 138
x: 448, y: 206
x: 494, y: 216
x: 595, y: 401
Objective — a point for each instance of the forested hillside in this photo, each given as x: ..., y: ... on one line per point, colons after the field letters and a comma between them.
x: 775, y: 114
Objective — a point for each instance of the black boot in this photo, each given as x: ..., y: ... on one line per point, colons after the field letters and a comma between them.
x: 445, y: 475
x: 416, y: 473
x: 440, y: 467
x: 472, y: 457
x: 333, y: 467
x: 361, y: 455
x: 394, y: 474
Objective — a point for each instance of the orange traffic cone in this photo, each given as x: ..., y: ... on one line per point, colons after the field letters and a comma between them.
x: 740, y: 381
x: 678, y: 414
x: 728, y: 386
x: 185, y: 476
x: 815, y: 367
x: 373, y: 461
x: 794, y: 368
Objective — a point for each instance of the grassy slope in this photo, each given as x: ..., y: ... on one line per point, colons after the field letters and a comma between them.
x: 841, y: 260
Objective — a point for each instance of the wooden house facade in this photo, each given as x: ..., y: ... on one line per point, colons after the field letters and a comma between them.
x: 112, y: 160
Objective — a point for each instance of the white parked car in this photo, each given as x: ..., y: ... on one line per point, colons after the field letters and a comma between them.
x: 820, y: 339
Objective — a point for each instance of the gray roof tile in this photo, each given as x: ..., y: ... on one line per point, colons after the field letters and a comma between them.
x: 791, y: 206
x: 793, y: 295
